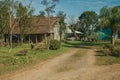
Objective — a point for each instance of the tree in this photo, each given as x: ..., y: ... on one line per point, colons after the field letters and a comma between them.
x: 42, y: 14
x: 72, y: 25
x: 89, y: 22
x: 110, y: 17
x: 4, y: 20
x: 25, y: 20
x: 115, y: 20
x: 49, y: 8
x: 10, y: 6
x: 62, y: 23
x: 9, y: 17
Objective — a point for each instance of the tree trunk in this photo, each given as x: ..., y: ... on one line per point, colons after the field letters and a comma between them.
x: 10, y: 42
x: 49, y: 25
x: 116, y: 35
x: 36, y: 39
x: 45, y: 38
x: 29, y: 39
x: 76, y: 37
x: 21, y: 39
x: 5, y: 38
x: 112, y: 38
x: 60, y: 37
x: 10, y: 25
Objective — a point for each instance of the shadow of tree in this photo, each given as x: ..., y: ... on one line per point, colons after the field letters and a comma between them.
x: 100, y: 53
x: 85, y: 45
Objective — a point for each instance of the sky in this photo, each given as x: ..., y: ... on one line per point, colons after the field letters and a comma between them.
x: 76, y: 7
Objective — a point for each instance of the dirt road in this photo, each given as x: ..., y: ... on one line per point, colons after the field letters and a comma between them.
x: 70, y: 66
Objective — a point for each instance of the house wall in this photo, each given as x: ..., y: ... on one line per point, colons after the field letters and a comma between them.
x: 56, y: 32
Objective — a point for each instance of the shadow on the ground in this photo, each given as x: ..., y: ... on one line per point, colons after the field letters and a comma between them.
x: 100, y: 53
x: 85, y: 45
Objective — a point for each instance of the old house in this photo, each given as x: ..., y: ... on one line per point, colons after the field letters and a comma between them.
x: 41, y: 31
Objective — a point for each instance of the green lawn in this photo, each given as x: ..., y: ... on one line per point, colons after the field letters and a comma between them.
x: 10, y: 61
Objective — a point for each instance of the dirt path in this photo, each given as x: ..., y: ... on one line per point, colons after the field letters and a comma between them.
x: 69, y: 67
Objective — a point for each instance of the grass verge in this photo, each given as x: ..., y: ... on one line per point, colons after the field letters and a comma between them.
x: 10, y: 62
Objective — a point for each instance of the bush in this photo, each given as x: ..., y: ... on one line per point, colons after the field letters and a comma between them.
x: 117, y: 42
x: 108, y: 49
x: 22, y: 53
x: 108, y: 46
x: 116, y: 51
x: 15, y: 60
x: 54, y: 45
x: 106, y: 52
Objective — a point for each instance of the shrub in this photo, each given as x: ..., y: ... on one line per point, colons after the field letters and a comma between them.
x: 117, y: 42
x: 12, y: 60
x: 22, y: 53
x: 106, y: 52
x: 109, y: 46
x: 116, y: 51
x: 54, y: 45
x: 108, y: 49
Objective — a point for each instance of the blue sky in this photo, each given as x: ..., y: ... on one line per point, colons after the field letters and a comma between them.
x: 76, y: 7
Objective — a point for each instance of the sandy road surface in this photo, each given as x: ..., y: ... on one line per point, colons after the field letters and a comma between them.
x: 65, y: 67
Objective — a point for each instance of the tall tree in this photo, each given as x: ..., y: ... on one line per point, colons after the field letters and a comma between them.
x: 62, y: 23
x: 115, y: 21
x: 49, y: 8
x: 42, y: 14
x: 110, y: 17
x: 25, y: 20
x: 72, y: 25
x: 89, y: 22
x: 4, y: 20
x: 10, y: 5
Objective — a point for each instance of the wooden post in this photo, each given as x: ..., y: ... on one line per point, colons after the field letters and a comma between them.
x: 45, y: 38
x: 29, y: 39
x: 5, y: 37
x: 36, y: 38
x: 18, y: 39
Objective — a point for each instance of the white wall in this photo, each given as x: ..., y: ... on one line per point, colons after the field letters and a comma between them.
x: 56, y: 32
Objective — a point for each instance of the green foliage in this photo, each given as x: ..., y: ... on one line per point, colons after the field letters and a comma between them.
x: 11, y: 60
x: 111, y: 50
x: 62, y: 23
x: 108, y: 46
x: 117, y: 42
x: 54, y: 45
x: 110, y: 17
x: 49, y: 5
x: 89, y: 22
x: 22, y: 53
x: 107, y: 49
x: 1, y: 36
x: 116, y: 51
x: 4, y: 17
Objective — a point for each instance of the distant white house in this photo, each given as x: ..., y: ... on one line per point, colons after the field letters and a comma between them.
x: 70, y: 35
x: 69, y: 31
